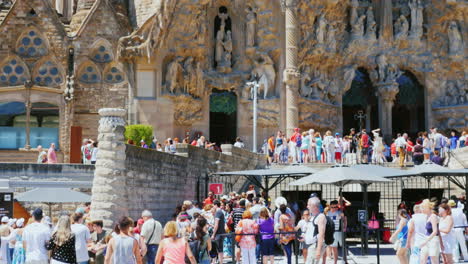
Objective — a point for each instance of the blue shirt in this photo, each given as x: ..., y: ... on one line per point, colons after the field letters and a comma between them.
x: 318, y: 141
x: 453, y: 142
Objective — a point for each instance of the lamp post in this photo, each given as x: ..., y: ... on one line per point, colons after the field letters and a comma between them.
x: 360, y: 115
x: 28, y: 86
x: 254, y: 85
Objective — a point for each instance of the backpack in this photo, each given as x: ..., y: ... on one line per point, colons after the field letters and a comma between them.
x: 195, y: 248
x: 329, y: 230
x: 298, y: 140
x: 87, y: 153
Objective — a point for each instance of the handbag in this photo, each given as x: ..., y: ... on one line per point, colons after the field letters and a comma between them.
x: 373, y: 223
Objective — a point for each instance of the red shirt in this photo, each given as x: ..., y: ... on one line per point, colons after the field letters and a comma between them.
x: 295, y: 136
x: 410, y: 145
x: 393, y: 148
x: 208, y: 200
x: 365, y: 141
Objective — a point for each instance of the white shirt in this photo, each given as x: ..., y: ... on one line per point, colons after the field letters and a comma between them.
x: 400, y: 142
x: 419, y: 221
x: 459, y: 218
x: 82, y: 236
x: 36, y: 235
x: 437, y: 140
x: 94, y: 154
x: 239, y: 144
x: 302, y: 225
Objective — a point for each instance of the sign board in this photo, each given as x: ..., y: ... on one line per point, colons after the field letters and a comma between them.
x: 6, y: 204
x: 362, y: 216
x: 216, y: 188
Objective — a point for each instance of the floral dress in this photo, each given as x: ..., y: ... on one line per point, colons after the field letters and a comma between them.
x: 19, y: 255
x: 248, y: 227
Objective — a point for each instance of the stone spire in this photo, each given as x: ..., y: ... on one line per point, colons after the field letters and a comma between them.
x: 108, y: 200
x: 291, y: 73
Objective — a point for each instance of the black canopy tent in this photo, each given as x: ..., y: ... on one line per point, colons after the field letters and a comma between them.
x: 261, y: 178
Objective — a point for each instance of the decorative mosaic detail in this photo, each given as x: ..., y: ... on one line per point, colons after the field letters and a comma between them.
x: 48, y: 74
x: 13, y: 72
x: 31, y: 44
x: 102, y: 54
x: 114, y: 75
x: 89, y: 73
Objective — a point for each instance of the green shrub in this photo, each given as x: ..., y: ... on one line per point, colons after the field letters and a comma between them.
x: 139, y: 132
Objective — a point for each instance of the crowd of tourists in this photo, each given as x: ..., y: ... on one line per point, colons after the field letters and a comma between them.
x: 362, y: 147
x: 170, y: 145
x: 434, y: 230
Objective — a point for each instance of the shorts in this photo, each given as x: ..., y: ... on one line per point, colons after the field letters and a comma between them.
x: 271, y: 153
x: 364, y: 150
x: 267, y: 247
x: 426, y: 151
x: 449, y: 243
x: 337, y: 155
x: 338, y: 239
x: 432, y: 248
x: 219, y: 241
x: 305, y: 151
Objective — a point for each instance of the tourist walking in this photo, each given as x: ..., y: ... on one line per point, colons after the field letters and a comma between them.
x: 364, y: 144
x: 459, y: 223
x: 305, y: 147
x: 329, y: 147
x: 462, y: 140
x: 266, y: 229
x: 338, y: 147
x: 312, y: 146
x: 35, y: 237
x: 151, y: 232
x: 418, y: 153
x: 172, y: 248
x: 5, y: 236
x: 400, y: 143
x: 123, y: 248
x: 416, y: 234
x: 218, y: 229
x: 62, y: 243
x: 431, y: 246
x: 401, y: 237
x: 427, y: 146
x: 446, y: 233
x: 337, y: 215
x: 302, y: 226
x: 201, y: 232
x: 315, y: 232
x: 18, y: 256
x: 318, y: 146
x: 247, y: 242
x: 42, y: 156
x: 286, y: 224
x: 94, y: 152
x: 99, y: 242
x: 82, y: 238
x: 51, y: 155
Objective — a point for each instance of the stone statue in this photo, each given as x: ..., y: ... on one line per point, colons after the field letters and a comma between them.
x: 385, y: 73
x: 455, y: 40
x: 264, y: 68
x: 200, y: 80
x: 357, y: 30
x: 190, y: 78
x: 174, y: 70
x: 219, y: 43
x: 305, y: 88
x: 251, y: 26
x: 401, y: 28
x: 349, y: 74
x: 331, y: 37
x: 371, y: 25
x: 416, y: 7
x: 227, y: 44
x: 320, y: 31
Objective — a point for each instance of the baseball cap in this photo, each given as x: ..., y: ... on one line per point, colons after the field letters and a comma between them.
x: 5, y: 219
x: 20, y: 222
x: 11, y: 222
x: 337, y: 134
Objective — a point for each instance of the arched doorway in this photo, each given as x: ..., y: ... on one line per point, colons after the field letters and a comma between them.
x: 360, y: 97
x: 223, y: 117
x: 408, y: 110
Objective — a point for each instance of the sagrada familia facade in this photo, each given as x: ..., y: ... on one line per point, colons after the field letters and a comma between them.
x: 186, y: 66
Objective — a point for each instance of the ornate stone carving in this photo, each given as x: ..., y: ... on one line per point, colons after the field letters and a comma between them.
x: 331, y: 37
x: 371, y: 25
x: 187, y: 110
x: 321, y: 30
x: 385, y: 73
x: 267, y: 113
x: 417, y: 8
x: 265, y: 70
x: 318, y: 114
x: 401, y: 28
x: 456, y: 47
x: 145, y: 41
x: 456, y: 93
x: 356, y: 21
x: 173, y: 76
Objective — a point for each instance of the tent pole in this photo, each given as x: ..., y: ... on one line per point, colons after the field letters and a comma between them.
x: 428, y: 188
x: 366, y: 235
x: 345, y: 253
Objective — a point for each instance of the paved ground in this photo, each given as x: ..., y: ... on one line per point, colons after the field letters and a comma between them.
x: 387, y: 256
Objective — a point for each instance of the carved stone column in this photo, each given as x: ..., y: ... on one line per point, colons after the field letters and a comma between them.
x: 386, y: 21
x: 386, y: 94
x: 109, y: 196
x: 291, y: 74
